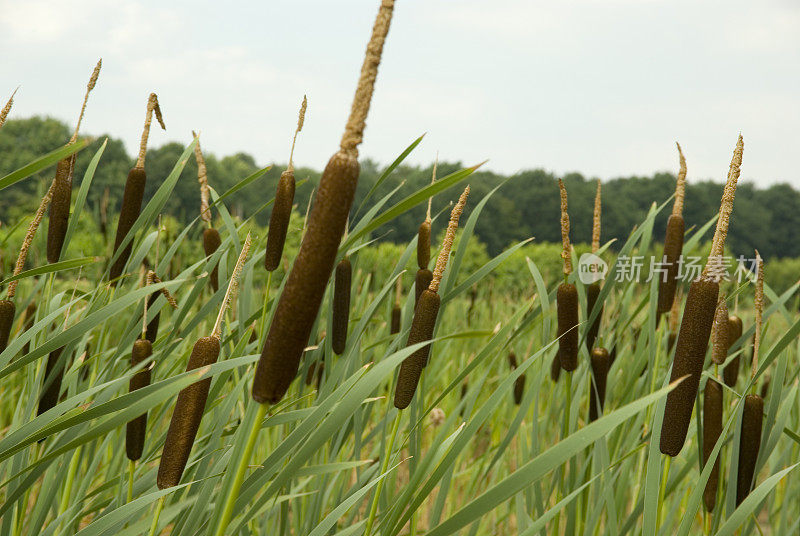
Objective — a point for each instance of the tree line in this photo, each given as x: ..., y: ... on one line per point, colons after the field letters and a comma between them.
x: 526, y: 203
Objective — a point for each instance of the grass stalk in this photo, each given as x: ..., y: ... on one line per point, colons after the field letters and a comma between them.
x: 373, y: 509
x: 154, y: 524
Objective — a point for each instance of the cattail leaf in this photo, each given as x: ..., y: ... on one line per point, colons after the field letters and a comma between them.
x: 408, y: 203
x: 83, y: 192
x: 240, y: 185
x: 543, y: 464
x: 387, y: 172
x: 373, y: 210
x: 43, y: 162
x: 752, y: 502
x: 60, y: 266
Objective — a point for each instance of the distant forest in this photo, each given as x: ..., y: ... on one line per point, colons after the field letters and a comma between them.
x: 526, y: 204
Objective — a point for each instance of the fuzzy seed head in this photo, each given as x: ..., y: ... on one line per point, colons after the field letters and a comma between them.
x: 565, y: 248
x: 712, y: 268
x: 447, y: 244
x: 680, y: 185
x: 596, y: 219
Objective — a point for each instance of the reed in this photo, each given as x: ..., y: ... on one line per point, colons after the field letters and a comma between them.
x: 282, y: 207
x: 299, y: 303
x: 424, y: 322
x: 342, y: 281
x: 134, y: 193
x: 695, y: 330
x: 673, y: 242
x: 597, y: 394
x: 62, y: 191
x: 712, y: 429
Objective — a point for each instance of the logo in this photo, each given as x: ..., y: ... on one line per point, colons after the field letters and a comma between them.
x: 591, y: 269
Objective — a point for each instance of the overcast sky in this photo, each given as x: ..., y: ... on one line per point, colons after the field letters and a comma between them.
x: 599, y: 87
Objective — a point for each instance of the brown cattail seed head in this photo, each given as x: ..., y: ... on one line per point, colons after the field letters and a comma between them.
x: 424, y: 245
x: 731, y: 371
x: 302, y: 295
x: 135, y: 429
x: 555, y: 368
x: 129, y: 212
x: 396, y: 317
x: 151, y: 333
x: 519, y: 383
x: 712, y: 428
x: 211, y: 242
x: 749, y: 445
x: 341, y: 305
x: 601, y: 361
x: 59, y: 208
x: 421, y: 330
x: 187, y: 416
x: 567, y: 309
x: 719, y: 334
x: 422, y: 282
x: 53, y: 375
x: 7, y: 312
x: 690, y: 352
x: 592, y: 292
x: 279, y: 220
x: 673, y: 246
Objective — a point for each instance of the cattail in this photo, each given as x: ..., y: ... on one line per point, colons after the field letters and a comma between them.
x: 341, y: 305
x: 712, y: 428
x: 134, y: 193
x: 597, y: 393
x: 731, y: 371
x: 151, y: 333
x: 7, y: 312
x: 698, y: 317
x: 612, y: 355
x: 422, y: 282
x: 425, y: 315
x: 519, y: 383
x: 7, y: 109
x: 592, y: 292
x: 674, y: 317
x: 566, y: 297
x: 62, y: 191
x: 749, y: 445
x: 282, y: 207
x: 555, y: 368
x: 187, y: 416
x: 299, y: 303
x: 135, y: 430
x: 720, y: 336
x: 104, y: 213
x: 397, y: 312
x: 192, y: 400
x: 673, y: 242
x: 424, y: 232
x: 53, y: 375
x: 211, y: 242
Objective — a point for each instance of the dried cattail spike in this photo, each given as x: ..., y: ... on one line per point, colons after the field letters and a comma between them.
x: 712, y: 428
x: 567, y: 313
x: 447, y: 243
x: 301, y: 118
x: 279, y: 220
x: 712, y: 268
x: 187, y: 415
x: 152, y: 106
x: 758, y: 305
x: 565, y: 247
x: 53, y: 375
x: 7, y: 312
x: 592, y: 293
x: 89, y: 88
x: 7, y: 109
x: 299, y: 303
x: 720, y: 336
x: 211, y: 242
x: 680, y: 185
x: 29, y: 236
x: 596, y: 219
x: 354, y: 131
x: 597, y: 393
x: 749, y: 445
x: 731, y: 371
x: 690, y: 352
x: 342, y: 282
x: 135, y: 429
x: 233, y: 286
x: 153, y: 278
x: 202, y: 178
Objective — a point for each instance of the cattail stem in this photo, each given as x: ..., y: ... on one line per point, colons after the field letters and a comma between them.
x: 131, y: 469
x: 662, y: 489
x: 154, y: 524
x: 89, y: 88
x: 29, y: 236
x: 241, y: 467
x: 301, y: 118
x: 373, y: 509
